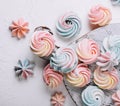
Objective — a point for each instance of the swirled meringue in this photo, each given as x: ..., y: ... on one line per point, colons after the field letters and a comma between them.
x: 106, y: 79
x: 68, y: 25
x: 106, y: 62
x: 64, y: 60
x: 19, y: 28
x: 111, y: 44
x: 115, y: 2
x: 42, y: 43
x: 52, y: 78
x: 100, y: 15
x: 80, y: 76
x: 116, y: 98
x: 87, y: 50
x: 92, y: 96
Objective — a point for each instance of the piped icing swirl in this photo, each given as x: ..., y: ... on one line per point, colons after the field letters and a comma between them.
x: 111, y: 44
x: 87, y: 50
x: 64, y: 60
x: 92, y: 96
x: 106, y: 79
x: 115, y: 2
x: 68, y: 25
x: 106, y: 62
x: 52, y: 78
x: 42, y: 43
x: 116, y: 98
x: 99, y: 15
x: 80, y: 76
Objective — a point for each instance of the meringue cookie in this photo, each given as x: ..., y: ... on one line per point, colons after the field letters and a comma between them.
x: 106, y: 62
x: 68, y: 25
x: 19, y: 28
x: 80, y: 76
x: 106, y: 79
x: 92, y: 96
x: 24, y: 69
x: 100, y: 15
x: 52, y: 78
x: 116, y: 98
x: 115, y: 2
x: 58, y: 99
x: 87, y: 50
x: 111, y: 44
x: 64, y: 60
x: 42, y: 43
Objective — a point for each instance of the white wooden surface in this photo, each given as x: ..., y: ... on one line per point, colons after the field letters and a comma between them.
x: 33, y: 92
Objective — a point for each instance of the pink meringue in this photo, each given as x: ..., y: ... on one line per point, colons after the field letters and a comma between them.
x: 58, y: 99
x: 19, y: 28
x: 42, y: 43
x: 100, y: 15
x: 106, y: 79
x: 80, y: 76
x: 116, y: 98
x: 106, y: 62
x: 52, y: 78
x: 87, y: 50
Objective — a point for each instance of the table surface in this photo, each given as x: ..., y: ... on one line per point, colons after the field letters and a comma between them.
x: 33, y: 92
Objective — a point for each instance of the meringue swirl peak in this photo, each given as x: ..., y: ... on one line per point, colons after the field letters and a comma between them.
x: 68, y: 25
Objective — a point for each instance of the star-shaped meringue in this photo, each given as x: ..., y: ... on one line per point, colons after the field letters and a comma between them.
x: 24, y: 68
x: 58, y: 99
x: 19, y: 28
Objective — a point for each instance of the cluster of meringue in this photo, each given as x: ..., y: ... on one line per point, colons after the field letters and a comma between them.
x: 72, y: 63
x: 69, y: 24
x: 88, y: 52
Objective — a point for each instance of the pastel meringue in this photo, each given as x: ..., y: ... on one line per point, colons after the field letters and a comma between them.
x: 111, y: 44
x: 19, y: 28
x: 80, y: 76
x: 92, y: 96
x: 116, y: 98
x: 100, y: 15
x: 52, y: 78
x: 58, y: 99
x: 115, y: 2
x: 42, y: 43
x: 106, y: 62
x: 64, y: 60
x: 68, y: 25
x: 87, y: 50
x: 24, y: 69
x: 106, y: 79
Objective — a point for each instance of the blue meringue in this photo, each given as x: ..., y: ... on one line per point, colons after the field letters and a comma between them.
x: 68, y: 25
x: 115, y: 2
x: 111, y: 44
x: 92, y: 96
x: 64, y: 60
